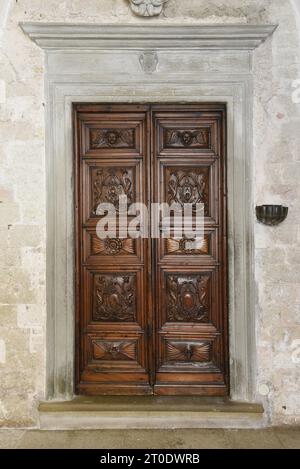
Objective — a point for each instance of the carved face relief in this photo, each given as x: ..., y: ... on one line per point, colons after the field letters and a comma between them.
x: 112, y: 138
x: 147, y: 7
x: 187, y: 138
x: 195, y: 139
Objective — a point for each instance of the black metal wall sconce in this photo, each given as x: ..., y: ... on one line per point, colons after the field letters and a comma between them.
x: 271, y: 215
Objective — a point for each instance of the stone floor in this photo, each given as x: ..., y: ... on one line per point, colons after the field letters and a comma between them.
x: 152, y: 439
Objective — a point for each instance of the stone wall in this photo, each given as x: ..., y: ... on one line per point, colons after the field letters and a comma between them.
x: 22, y: 193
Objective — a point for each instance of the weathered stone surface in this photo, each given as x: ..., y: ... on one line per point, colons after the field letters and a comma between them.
x: 22, y: 193
x: 275, y: 438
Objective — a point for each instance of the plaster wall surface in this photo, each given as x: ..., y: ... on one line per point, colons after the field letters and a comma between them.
x: 22, y: 193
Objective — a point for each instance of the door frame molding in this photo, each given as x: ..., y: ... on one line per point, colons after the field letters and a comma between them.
x: 212, y: 64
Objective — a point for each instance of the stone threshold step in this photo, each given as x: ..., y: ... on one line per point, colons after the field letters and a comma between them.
x: 149, y: 403
x: 149, y: 412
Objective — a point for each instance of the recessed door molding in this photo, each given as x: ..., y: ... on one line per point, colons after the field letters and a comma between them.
x: 100, y: 64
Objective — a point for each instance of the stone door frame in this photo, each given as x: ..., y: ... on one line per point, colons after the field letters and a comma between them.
x: 151, y: 64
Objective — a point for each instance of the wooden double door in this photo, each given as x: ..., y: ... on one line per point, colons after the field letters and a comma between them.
x: 151, y: 314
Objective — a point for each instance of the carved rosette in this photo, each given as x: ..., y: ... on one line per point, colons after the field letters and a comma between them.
x: 112, y: 246
x: 147, y: 8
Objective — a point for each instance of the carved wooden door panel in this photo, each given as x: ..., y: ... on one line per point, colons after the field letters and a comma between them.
x: 151, y: 315
x: 190, y: 309
x: 112, y: 274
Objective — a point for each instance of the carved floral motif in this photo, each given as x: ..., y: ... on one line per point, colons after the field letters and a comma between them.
x: 188, y: 298
x: 115, y: 298
x: 112, y: 246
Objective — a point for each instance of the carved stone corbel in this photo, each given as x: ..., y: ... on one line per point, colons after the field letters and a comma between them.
x: 147, y: 8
